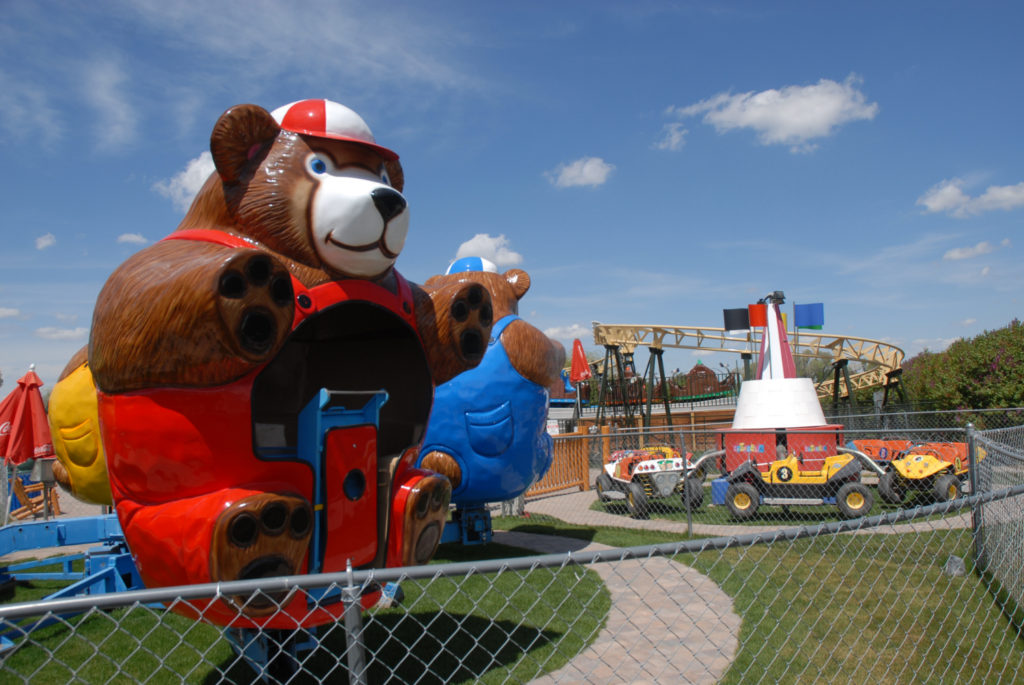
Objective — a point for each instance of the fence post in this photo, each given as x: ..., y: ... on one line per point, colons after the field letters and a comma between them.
x: 355, y: 650
x: 973, y: 480
x: 582, y: 457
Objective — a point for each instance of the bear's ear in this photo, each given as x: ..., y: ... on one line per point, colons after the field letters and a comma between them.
x: 237, y: 136
x: 519, y: 280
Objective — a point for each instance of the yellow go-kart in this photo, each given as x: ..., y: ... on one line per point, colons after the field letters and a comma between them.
x: 935, y: 468
x: 787, y: 483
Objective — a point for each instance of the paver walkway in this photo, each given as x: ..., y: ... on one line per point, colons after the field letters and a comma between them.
x: 667, y: 622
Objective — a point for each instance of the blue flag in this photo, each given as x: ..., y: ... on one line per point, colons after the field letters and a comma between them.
x: 809, y: 315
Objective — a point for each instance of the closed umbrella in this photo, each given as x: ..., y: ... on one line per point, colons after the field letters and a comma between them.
x: 24, y: 430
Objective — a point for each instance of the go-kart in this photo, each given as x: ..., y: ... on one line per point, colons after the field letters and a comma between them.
x: 935, y: 468
x: 645, y: 474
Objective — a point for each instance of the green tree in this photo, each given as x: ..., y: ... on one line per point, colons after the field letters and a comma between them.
x: 981, y: 373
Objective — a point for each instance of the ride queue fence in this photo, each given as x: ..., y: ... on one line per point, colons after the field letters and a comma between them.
x: 919, y: 592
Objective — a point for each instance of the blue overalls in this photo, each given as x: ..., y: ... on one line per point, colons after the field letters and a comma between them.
x: 492, y: 421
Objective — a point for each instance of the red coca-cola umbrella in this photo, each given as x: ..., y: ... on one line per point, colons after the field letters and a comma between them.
x: 580, y: 369
x: 24, y: 431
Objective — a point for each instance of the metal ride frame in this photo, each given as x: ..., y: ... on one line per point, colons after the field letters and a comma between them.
x: 621, y: 340
x: 105, y: 568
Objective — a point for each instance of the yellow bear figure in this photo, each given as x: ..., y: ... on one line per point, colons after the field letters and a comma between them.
x: 81, y: 466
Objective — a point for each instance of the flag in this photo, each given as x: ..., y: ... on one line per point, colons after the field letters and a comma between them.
x: 809, y: 315
x: 758, y: 314
x: 736, y: 319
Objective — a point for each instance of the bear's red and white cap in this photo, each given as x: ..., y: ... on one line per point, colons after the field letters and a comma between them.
x: 327, y: 119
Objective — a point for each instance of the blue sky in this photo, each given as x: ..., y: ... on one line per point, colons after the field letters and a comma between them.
x: 645, y: 162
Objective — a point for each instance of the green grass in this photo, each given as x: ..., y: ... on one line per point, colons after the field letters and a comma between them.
x: 865, y: 608
x: 480, y: 628
x: 850, y: 608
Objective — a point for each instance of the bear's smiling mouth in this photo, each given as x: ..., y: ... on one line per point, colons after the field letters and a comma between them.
x: 378, y: 244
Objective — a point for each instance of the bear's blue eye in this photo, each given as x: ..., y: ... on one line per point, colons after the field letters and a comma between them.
x: 384, y: 176
x: 318, y: 166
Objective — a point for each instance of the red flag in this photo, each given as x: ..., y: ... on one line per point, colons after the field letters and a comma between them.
x: 758, y: 315
x: 24, y: 431
x: 580, y: 369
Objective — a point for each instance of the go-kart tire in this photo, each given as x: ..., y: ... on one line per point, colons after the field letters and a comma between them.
x: 743, y: 499
x: 854, y: 500
x: 604, y: 485
x: 890, y: 489
x: 946, y: 487
x: 693, y: 494
x: 636, y: 498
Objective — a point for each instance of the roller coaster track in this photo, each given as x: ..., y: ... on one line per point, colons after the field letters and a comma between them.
x: 881, y: 358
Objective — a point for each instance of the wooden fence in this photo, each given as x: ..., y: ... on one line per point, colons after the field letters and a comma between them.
x: 569, y: 467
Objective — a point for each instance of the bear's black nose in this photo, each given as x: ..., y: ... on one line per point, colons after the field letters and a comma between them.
x: 390, y: 203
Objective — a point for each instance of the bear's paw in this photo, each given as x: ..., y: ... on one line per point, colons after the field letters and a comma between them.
x: 261, y: 536
x: 425, y: 512
x: 255, y: 302
x: 443, y: 463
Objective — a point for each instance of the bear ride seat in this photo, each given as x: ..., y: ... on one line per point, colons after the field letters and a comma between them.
x: 187, y: 446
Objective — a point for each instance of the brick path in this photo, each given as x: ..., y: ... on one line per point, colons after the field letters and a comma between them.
x: 667, y: 623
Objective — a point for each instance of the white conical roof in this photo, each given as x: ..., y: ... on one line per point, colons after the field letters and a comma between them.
x: 778, y: 403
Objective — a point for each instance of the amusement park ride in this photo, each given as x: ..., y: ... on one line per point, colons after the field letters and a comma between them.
x: 258, y: 385
x: 623, y: 389
x: 780, y: 450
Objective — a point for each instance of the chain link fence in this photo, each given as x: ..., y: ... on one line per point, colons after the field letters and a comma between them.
x: 583, y: 588
x: 999, y: 524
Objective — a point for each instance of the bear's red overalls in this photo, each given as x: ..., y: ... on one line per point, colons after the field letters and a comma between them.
x: 206, y: 481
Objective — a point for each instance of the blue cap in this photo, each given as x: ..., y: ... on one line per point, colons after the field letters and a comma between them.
x: 471, y: 264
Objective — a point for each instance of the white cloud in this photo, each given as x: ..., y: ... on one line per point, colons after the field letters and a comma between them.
x: 792, y: 115
x: 255, y: 42
x: 891, y: 258
x: 999, y: 197
x: 182, y: 188
x: 45, y: 241
x: 948, y: 196
x: 8, y: 312
x: 132, y: 238
x: 103, y: 87
x: 570, y: 333
x: 934, y: 344
x: 984, y: 247
x: 587, y: 171
x: 985, y: 270
x: 494, y: 248
x: 28, y: 114
x: 52, y: 333
x: 673, y: 137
